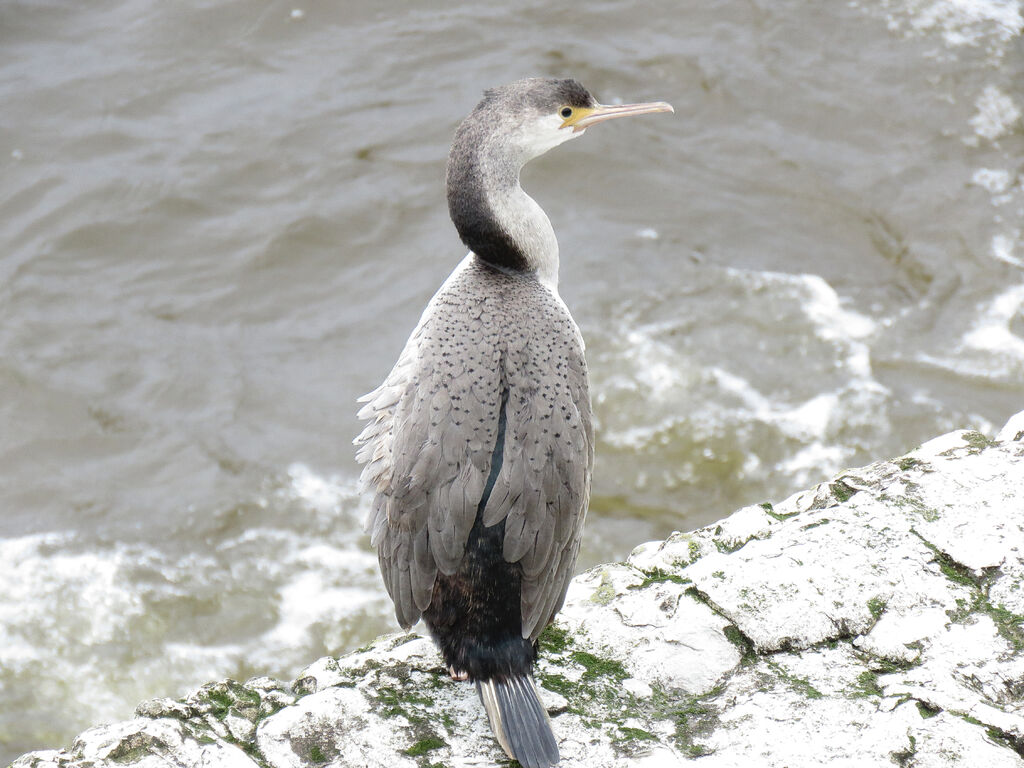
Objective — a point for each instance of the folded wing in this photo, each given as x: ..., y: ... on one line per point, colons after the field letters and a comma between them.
x: 431, y: 435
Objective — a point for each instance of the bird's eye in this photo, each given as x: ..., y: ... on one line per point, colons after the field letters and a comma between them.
x: 566, y: 112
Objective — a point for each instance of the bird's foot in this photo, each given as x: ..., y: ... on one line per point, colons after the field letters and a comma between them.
x: 458, y: 675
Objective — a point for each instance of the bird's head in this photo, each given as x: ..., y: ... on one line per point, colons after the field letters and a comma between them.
x: 537, y: 114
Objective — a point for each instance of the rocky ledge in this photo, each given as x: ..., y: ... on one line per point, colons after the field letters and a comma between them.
x: 875, y: 620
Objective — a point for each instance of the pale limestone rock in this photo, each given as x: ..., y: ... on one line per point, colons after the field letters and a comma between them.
x: 661, y: 625
x: 144, y: 743
x: 333, y: 725
x: 1012, y: 430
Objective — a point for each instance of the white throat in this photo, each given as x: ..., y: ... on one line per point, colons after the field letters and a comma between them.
x: 527, y: 224
x: 518, y: 213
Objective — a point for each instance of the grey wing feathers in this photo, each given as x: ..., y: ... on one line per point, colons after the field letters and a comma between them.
x: 428, y: 421
x: 543, y: 487
x: 431, y: 433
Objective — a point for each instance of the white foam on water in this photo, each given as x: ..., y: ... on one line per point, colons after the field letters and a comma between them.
x: 808, y: 462
x: 992, y: 331
x: 824, y: 308
x: 995, y: 180
x: 65, y: 617
x: 36, y: 603
x: 309, y: 599
x: 990, y: 349
x: 834, y: 323
x: 845, y: 329
x: 658, y: 367
x: 959, y: 22
x: 813, y: 418
x: 327, y: 494
x: 660, y: 389
x: 1004, y: 248
x: 102, y: 627
x: 996, y: 116
x: 818, y: 300
x: 807, y: 421
x: 330, y: 578
x: 756, y: 403
x: 816, y: 423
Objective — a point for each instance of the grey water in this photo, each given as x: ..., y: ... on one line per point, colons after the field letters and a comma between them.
x: 219, y: 221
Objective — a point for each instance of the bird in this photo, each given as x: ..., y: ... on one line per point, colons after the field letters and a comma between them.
x: 479, y: 446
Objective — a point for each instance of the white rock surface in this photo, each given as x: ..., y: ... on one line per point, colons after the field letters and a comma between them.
x: 875, y: 620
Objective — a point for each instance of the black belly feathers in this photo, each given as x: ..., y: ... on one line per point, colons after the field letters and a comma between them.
x: 474, y: 615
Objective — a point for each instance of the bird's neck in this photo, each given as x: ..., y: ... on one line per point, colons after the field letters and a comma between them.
x: 495, y: 218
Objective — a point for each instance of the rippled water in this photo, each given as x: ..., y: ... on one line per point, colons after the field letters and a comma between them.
x: 219, y: 221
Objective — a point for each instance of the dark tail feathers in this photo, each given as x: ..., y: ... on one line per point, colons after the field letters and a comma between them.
x: 519, y: 720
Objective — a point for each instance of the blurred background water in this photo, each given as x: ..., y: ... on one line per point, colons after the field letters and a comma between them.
x: 219, y: 221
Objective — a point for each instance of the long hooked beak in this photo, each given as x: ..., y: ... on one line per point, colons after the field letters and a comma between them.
x: 600, y: 113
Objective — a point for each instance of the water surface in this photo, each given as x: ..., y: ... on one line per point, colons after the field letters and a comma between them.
x: 219, y: 222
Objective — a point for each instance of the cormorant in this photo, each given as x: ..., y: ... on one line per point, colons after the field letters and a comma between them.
x: 479, y: 447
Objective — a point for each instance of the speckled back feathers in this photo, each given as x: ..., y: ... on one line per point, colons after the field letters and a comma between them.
x: 433, y: 424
